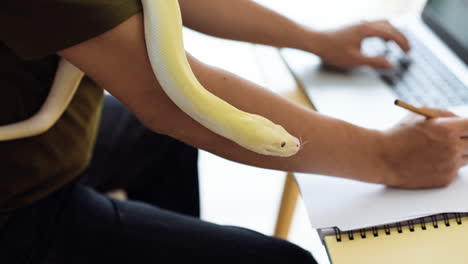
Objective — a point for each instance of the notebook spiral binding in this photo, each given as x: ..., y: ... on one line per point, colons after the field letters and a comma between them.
x: 446, y: 219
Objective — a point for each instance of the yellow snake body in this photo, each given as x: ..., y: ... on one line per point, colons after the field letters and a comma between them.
x: 163, y: 33
x: 66, y: 81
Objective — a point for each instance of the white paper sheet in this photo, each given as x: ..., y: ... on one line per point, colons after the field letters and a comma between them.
x: 349, y: 204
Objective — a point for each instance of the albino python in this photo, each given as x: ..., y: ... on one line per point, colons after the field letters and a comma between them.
x: 163, y: 33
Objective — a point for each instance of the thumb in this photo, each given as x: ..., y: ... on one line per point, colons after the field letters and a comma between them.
x: 379, y: 62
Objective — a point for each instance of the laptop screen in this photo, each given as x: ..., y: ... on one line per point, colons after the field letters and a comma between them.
x: 448, y: 19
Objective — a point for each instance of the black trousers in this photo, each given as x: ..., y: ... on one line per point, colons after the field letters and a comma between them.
x: 158, y: 224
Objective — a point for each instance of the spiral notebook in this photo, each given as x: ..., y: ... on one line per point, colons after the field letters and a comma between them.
x: 436, y: 239
x: 370, y: 223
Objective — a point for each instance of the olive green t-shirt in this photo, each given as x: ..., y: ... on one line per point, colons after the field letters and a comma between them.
x: 30, y: 33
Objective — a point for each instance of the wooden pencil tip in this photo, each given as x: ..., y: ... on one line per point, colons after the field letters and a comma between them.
x: 397, y: 102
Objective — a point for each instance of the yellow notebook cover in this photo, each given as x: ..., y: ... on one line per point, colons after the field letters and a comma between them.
x: 444, y: 244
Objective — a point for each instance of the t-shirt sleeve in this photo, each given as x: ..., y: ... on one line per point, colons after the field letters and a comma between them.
x: 37, y: 28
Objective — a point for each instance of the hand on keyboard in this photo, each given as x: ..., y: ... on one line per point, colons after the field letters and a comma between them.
x: 418, y: 78
x: 342, y: 48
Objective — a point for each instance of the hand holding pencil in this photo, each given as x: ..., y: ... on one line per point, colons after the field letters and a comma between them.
x: 425, y: 153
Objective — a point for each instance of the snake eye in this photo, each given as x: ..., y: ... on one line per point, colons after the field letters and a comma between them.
x: 283, y: 144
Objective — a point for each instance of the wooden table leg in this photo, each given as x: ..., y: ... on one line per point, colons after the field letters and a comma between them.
x: 287, y: 207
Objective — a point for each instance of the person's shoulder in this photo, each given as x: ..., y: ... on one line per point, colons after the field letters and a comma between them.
x: 34, y: 29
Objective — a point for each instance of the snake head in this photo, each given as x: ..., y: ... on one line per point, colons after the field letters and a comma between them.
x: 281, y: 144
x: 268, y: 138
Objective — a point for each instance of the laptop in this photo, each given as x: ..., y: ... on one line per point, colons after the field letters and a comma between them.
x: 434, y: 73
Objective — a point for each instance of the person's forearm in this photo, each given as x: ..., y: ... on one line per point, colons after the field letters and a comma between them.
x: 329, y: 146
x: 246, y: 20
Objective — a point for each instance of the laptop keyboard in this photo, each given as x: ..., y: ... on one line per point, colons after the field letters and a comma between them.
x: 419, y: 78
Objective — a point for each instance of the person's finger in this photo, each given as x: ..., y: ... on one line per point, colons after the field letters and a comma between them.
x: 464, y: 128
x: 457, y: 124
x: 464, y: 145
x: 465, y: 160
x: 376, y: 62
x: 402, y: 41
x: 386, y: 32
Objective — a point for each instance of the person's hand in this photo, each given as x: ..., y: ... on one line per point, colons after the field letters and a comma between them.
x: 424, y: 153
x: 342, y: 48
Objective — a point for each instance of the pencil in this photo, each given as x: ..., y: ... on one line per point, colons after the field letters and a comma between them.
x: 415, y: 109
